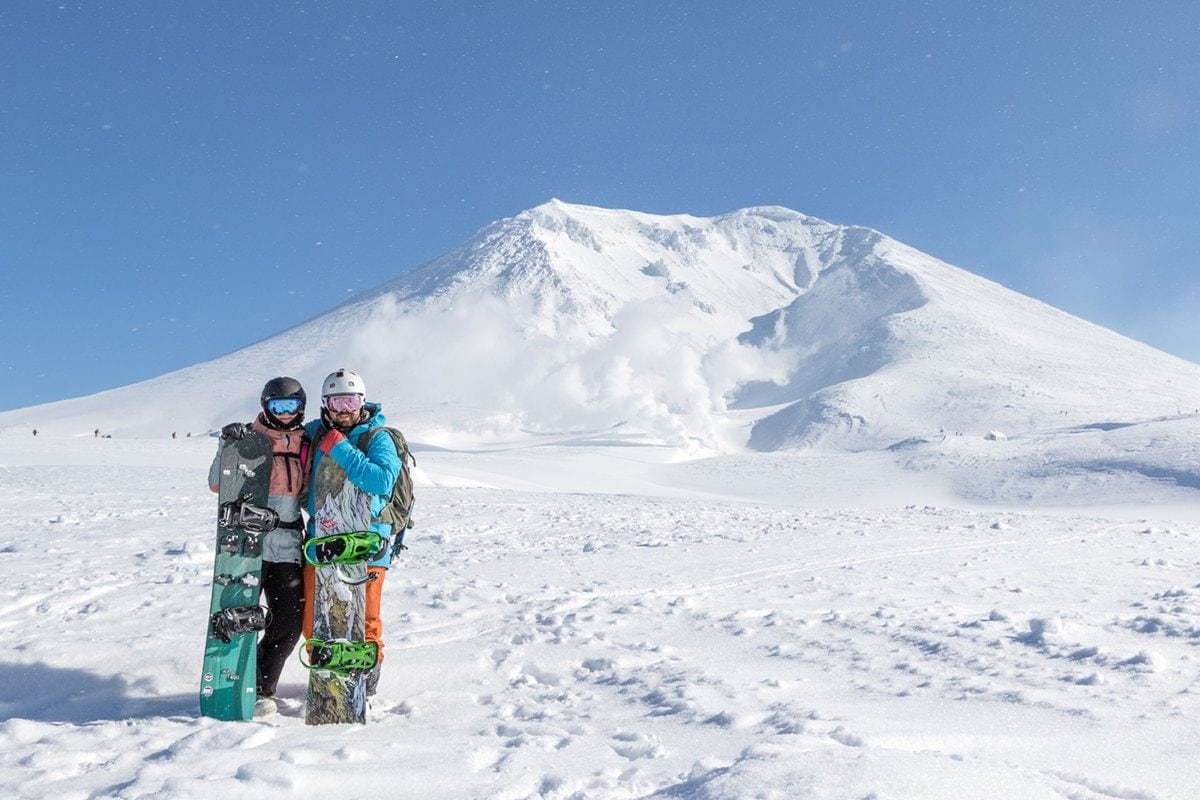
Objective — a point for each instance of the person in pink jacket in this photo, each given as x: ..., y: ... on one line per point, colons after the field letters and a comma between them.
x: 282, y: 581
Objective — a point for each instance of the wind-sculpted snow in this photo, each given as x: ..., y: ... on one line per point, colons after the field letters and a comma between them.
x: 836, y: 332
x: 683, y: 638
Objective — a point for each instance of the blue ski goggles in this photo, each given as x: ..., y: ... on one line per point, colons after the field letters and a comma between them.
x: 284, y: 405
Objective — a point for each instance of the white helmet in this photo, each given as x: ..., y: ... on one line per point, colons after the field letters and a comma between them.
x: 343, y: 382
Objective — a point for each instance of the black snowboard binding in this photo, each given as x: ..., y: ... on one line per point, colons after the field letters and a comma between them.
x: 241, y: 514
x: 243, y: 619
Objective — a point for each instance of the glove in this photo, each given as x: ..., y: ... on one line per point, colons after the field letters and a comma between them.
x: 329, y: 440
x: 235, y: 430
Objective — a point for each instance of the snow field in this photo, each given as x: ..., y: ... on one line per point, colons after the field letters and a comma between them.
x: 568, y: 644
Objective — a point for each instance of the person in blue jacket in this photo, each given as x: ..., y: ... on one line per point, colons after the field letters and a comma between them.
x: 346, y: 415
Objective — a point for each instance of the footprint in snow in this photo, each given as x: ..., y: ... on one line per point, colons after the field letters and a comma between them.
x: 635, y: 746
x: 843, y: 736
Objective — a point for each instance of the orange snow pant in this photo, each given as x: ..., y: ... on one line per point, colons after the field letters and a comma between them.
x: 374, y: 625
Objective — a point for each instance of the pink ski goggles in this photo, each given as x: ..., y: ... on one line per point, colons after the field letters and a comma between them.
x: 342, y: 403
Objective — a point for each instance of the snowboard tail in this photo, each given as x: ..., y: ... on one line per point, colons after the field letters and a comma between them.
x: 339, y: 614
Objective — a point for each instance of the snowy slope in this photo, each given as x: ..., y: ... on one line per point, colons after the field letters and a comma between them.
x: 759, y: 330
x: 901, y: 345
x: 553, y: 643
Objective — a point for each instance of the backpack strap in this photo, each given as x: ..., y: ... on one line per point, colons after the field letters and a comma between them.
x: 364, y: 439
x: 305, y: 452
x: 315, y: 442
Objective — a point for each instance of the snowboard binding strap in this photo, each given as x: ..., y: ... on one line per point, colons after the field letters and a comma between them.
x: 345, y: 548
x: 242, y: 619
x: 339, y: 656
x: 354, y: 580
x: 252, y: 518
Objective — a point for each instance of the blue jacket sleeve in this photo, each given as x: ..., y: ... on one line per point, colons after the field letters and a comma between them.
x: 374, y: 471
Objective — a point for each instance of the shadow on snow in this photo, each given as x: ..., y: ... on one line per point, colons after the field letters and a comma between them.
x: 52, y: 694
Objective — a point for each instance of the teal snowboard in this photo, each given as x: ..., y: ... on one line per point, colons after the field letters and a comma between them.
x: 338, y: 692
x: 227, y: 687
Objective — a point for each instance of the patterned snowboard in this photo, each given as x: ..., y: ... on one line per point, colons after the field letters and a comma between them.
x: 339, y: 598
x: 227, y: 688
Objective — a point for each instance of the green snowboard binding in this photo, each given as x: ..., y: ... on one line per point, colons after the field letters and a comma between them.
x: 344, y: 548
x: 340, y: 657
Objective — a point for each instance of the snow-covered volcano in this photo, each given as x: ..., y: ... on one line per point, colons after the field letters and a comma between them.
x: 888, y: 604
x: 762, y: 329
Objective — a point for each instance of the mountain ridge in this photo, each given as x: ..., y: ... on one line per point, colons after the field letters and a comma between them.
x: 762, y: 328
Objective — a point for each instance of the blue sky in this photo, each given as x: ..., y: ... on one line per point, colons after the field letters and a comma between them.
x: 181, y: 179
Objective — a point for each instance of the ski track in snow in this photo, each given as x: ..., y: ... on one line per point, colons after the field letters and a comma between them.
x: 559, y: 645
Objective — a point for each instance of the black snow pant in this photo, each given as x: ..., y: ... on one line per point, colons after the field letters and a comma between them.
x: 283, y: 588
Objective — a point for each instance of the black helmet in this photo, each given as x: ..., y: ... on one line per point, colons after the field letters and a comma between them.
x: 281, y: 389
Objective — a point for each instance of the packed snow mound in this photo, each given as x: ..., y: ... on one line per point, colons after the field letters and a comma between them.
x: 762, y: 329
